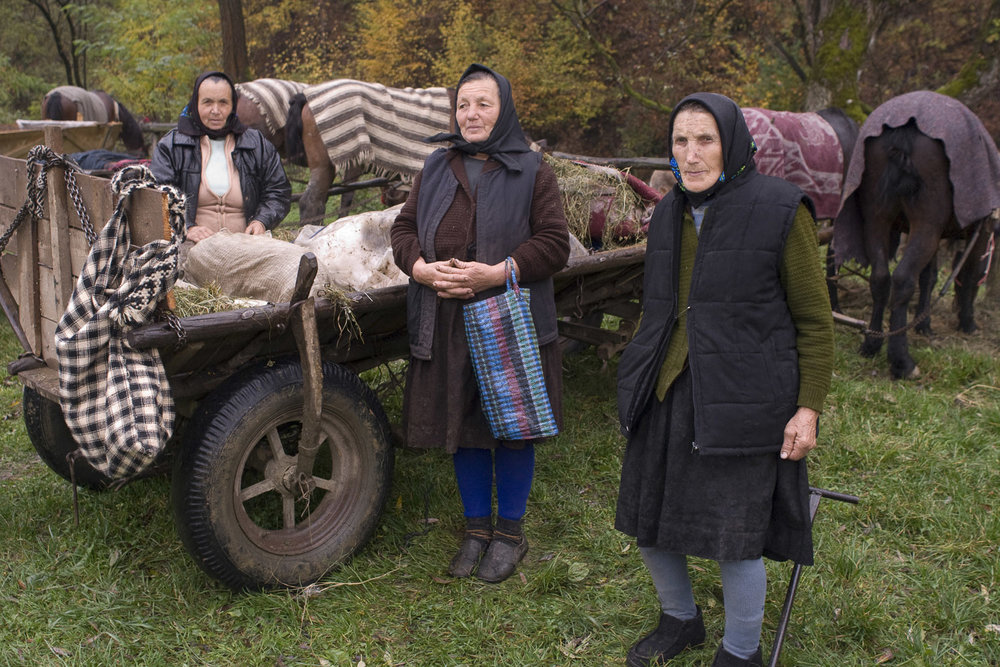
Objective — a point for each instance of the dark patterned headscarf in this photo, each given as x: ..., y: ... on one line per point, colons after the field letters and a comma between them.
x: 738, y: 146
x: 506, y: 137
x: 190, y: 122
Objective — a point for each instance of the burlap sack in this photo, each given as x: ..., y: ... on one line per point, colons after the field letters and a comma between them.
x: 354, y: 251
x: 251, y: 267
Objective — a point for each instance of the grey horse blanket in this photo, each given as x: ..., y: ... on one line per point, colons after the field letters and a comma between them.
x: 803, y: 149
x: 372, y: 124
x: 89, y: 106
x: 974, y: 169
x: 272, y: 97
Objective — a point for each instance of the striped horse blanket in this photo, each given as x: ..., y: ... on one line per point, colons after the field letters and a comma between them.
x: 272, y: 97
x: 803, y: 149
x: 372, y: 124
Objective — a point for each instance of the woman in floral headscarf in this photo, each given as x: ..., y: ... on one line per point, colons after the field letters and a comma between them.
x: 720, y: 391
x: 474, y: 204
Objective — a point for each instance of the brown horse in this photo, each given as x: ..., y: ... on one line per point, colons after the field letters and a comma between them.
x: 924, y: 166
x: 305, y: 123
x: 74, y: 103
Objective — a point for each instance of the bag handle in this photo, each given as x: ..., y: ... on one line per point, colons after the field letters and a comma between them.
x: 511, y: 274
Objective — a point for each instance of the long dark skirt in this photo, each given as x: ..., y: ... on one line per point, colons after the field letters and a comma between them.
x: 441, y: 402
x: 717, y: 507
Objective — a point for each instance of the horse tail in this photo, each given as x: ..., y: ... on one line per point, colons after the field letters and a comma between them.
x: 53, y: 107
x: 900, y: 178
x: 132, y: 135
x: 294, y: 146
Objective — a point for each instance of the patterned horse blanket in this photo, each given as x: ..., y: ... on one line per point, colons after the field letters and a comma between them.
x: 974, y: 169
x: 89, y: 105
x: 272, y: 97
x: 372, y: 124
x: 803, y: 149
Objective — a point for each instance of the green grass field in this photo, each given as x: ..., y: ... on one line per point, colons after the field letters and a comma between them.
x: 907, y: 577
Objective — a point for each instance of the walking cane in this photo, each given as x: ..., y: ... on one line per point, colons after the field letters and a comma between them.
x: 815, y: 495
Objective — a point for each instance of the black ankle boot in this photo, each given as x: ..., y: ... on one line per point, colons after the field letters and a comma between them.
x: 669, y: 638
x: 504, y: 553
x: 724, y: 658
x: 478, y: 533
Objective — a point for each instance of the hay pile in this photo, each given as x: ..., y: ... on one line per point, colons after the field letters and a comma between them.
x: 193, y: 300
x: 581, y: 187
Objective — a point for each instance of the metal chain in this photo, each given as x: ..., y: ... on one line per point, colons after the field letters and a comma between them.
x: 175, y: 325
x: 40, y: 160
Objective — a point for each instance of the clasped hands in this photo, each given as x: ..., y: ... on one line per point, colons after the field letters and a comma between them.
x: 455, y: 279
x: 198, y: 233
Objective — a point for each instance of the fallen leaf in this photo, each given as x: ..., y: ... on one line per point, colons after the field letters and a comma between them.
x: 441, y: 580
x: 886, y: 656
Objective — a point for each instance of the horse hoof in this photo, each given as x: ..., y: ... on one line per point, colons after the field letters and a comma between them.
x: 912, y: 374
x: 968, y: 328
x: 869, y: 349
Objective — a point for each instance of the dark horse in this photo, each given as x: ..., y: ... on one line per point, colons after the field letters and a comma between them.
x: 926, y: 167
x: 74, y: 103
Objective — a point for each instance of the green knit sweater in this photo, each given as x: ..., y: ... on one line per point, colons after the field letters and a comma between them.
x: 808, y: 302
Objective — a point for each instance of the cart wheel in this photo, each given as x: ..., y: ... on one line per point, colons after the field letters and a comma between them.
x: 48, y: 432
x: 237, y: 504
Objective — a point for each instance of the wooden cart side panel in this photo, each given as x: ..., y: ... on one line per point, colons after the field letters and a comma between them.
x: 44, y: 260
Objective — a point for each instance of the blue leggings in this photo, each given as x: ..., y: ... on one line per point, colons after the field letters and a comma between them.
x: 474, y: 472
x: 744, y: 587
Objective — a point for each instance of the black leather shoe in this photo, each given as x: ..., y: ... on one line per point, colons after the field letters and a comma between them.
x: 478, y: 533
x: 504, y: 553
x: 669, y: 638
x: 724, y: 658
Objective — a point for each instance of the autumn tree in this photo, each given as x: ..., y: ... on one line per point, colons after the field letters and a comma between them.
x: 234, y: 40
x: 69, y: 28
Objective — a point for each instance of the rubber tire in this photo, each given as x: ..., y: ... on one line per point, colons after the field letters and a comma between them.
x: 52, y: 439
x: 247, y: 545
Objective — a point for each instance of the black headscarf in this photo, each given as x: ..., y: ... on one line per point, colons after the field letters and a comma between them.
x: 738, y: 146
x: 190, y: 122
x: 506, y: 136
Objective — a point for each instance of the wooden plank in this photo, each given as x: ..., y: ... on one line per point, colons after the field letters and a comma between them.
x: 48, y: 302
x: 13, y: 182
x: 27, y: 282
x: 146, y: 215
x: 48, y: 346
x: 58, y: 229
x: 9, y: 264
x: 96, y: 193
x: 43, y: 380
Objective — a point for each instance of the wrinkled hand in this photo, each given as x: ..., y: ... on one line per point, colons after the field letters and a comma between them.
x: 455, y: 279
x: 198, y: 233
x: 800, y: 434
x: 256, y: 228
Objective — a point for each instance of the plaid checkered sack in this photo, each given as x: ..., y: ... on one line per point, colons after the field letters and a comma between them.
x: 115, y: 399
x: 508, y: 366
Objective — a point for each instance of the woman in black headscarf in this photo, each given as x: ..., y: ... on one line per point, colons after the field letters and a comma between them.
x: 720, y: 390
x: 486, y: 198
x: 231, y: 175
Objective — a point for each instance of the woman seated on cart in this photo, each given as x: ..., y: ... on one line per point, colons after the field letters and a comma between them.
x: 231, y: 171
x: 473, y: 205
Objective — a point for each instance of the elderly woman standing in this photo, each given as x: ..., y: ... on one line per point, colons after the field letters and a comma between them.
x: 720, y: 390
x: 473, y: 205
x: 231, y: 172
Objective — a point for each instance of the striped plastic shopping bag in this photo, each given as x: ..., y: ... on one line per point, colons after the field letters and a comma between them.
x: 508, y: 366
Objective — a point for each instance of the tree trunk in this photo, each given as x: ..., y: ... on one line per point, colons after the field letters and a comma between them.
x: 235, y: 62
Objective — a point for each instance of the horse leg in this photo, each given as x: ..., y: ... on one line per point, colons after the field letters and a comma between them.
x: 926, y: 282
x: 312, y: 205
x: 919, y: 254
x: 969, y: 277
x: 349, y: 175
x: 880, y: 237
x: 831, y: 279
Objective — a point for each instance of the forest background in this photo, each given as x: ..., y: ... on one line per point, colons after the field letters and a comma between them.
x: 590, y: 76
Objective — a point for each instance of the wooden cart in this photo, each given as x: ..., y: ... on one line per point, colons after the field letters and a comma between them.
x: 283, y: 456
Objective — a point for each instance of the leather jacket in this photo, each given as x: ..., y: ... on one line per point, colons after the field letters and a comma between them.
x: 263, y: 183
